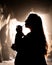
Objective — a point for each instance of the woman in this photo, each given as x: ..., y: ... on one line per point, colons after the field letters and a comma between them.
x: 35, y: 41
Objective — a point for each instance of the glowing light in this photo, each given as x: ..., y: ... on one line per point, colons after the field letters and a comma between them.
x: 12, y: 28
x: 14, y: 23
x: 25, y: 30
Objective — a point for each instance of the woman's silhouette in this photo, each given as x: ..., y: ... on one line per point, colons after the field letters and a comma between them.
x: 33, y: 45
x: 35, y: 41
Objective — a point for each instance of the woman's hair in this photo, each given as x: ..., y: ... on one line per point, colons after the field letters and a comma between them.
x: 35, y: 22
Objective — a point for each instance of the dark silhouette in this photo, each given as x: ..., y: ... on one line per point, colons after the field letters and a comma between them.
x: 36, y: 47
x: 18, y: 38
x: 32, y: 48
x: 17, y: 46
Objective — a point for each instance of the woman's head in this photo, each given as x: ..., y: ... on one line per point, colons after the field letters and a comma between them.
x: 33, y: 21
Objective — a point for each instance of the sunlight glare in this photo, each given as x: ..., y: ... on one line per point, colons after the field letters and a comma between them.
x: 12, y: 28
x: 14, y: 22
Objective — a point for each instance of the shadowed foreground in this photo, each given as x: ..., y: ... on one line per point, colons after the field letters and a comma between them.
x: 11, y: 62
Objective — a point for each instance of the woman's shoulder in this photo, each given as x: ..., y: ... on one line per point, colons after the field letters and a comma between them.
x: 27, y: 36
